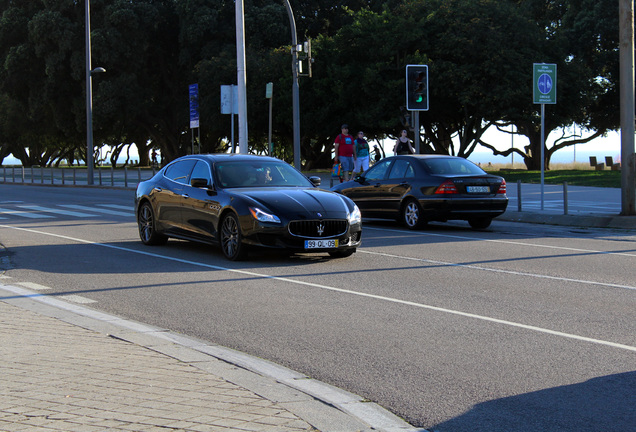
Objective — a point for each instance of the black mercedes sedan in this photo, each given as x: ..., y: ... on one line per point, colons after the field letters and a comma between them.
x: 242, y: 202
x: 416, y: 189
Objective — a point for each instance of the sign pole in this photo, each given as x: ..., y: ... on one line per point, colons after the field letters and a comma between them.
x: 269, y: 94
x: 194, y: 113
x: 543, y: 92
x: 542, y: 151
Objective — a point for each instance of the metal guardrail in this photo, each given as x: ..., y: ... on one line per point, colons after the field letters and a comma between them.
x: 113, y: 177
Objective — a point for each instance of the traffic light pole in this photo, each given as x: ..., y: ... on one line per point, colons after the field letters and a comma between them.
x: 416, y: 131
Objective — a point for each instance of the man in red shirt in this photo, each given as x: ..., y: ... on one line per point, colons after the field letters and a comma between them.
x: 345, y: 150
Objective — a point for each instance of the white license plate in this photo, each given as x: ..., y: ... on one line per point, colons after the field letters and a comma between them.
x: 478, y: 189
x: 321, y: 244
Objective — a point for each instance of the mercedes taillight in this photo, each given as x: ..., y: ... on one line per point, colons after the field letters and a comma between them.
x: 502, y: 187
x: 448, y: 187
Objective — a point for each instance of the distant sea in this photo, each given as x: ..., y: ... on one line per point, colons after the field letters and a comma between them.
x: 600, y: 147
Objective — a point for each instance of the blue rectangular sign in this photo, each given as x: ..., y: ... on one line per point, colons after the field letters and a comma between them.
x: 194, y: 106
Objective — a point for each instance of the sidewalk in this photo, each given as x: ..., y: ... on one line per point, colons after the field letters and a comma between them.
x: 67, y: 368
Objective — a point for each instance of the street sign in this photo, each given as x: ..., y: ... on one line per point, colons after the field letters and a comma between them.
x: 194, y: 106
x: 229, y: 99
x: 544, y: 83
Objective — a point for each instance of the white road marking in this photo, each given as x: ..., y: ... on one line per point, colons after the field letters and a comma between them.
x: 494, y: 270
x: 98, y: 210
x: 33, y: 286
x: 511, y: 242
x: 116, y: 206
x: 56, y: 211
x: 76, y: 299
x: 345, y: 291
x: 24, y: 214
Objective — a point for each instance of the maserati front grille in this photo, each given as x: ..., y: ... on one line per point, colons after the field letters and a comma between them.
x: 318, y: 228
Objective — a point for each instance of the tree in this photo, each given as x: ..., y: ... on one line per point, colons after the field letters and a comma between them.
x: 581, y: 37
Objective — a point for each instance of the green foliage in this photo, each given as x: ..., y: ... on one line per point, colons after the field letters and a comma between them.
x: 479, y: 52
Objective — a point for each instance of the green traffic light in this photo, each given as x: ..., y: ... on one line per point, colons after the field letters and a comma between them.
x: 418, y: 98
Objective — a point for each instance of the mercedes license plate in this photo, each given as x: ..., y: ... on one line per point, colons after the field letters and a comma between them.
x: 321, y: 244
x: 478, y: 189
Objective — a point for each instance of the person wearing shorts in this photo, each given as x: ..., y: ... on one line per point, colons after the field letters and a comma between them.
x: 361, y: 162
x: 345, y: 151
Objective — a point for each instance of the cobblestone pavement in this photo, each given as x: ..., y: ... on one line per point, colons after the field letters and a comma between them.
x: 61, y: 377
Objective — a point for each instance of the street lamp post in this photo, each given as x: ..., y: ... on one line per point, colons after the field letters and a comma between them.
x: 89, y: 98
x: 295, y: 88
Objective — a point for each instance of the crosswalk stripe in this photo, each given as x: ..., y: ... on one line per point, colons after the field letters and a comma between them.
x: 56, y: 211
x: 99, y: 210
x: 116, y: 206
x: 33, y: 286
x: 24, y: 214
x: 77, y: 299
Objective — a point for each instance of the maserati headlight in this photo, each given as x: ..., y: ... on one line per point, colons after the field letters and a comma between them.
x: 355, y: 216
x: 261, y: 216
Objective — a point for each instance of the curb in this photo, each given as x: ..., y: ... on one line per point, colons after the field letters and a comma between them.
x: 588, y: 221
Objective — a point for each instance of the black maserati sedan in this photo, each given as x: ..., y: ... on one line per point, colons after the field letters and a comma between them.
x: 416, y: 189
x: 243, y: 202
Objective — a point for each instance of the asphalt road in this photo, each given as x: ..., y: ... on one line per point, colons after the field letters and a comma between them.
x: 516, y: 328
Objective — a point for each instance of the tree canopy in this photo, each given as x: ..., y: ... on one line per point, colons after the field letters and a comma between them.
x: 479, y: 52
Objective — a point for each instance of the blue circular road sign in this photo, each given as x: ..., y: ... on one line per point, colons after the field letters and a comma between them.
x: 545, y: 83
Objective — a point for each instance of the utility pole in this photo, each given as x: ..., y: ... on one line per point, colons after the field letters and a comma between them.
x: 628, y: 157
x: 89, y: 99
x: 241, y: 76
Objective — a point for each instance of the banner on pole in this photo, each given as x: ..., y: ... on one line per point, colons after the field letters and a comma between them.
x: 194, y: 106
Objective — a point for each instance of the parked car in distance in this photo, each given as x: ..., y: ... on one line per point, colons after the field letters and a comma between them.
x: 245, y: 201
x: 416, y: 189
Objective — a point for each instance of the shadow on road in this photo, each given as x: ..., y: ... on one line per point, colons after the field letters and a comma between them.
x: 581, y: 407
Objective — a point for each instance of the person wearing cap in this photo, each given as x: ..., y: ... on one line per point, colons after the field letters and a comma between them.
x: 345, y: 151
x: 361, y: 162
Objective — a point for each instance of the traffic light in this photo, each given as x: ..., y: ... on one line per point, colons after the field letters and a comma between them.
x: 417, y: 87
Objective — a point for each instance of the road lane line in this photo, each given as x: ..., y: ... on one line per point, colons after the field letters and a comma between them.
x: 344, y: 291
x: 511, y: 242
x: 494, y: 270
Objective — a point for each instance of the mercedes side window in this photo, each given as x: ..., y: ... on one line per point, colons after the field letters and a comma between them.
x: 398, y: 170
x: 378, y: 171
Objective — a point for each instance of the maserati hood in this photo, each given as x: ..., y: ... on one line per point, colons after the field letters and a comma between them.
x: 307, y: 203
